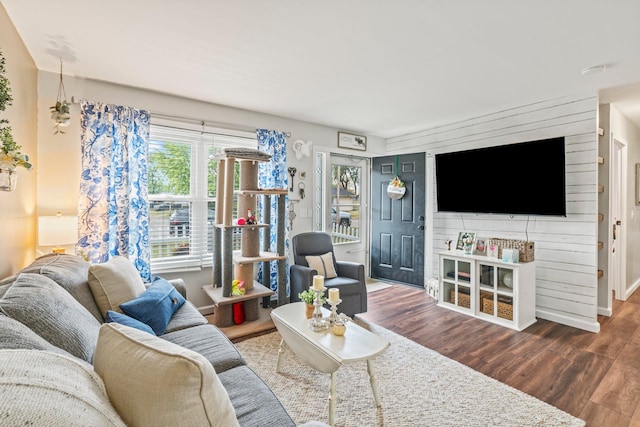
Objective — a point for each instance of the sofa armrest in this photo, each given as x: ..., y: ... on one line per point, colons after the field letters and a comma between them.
x: 300, y: 278
x: 180, y: 286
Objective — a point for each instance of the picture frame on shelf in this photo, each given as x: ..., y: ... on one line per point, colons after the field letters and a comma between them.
x: 492, y: 250
x: 461, y: 236
x: 481, y: 246
x: 351, y: 141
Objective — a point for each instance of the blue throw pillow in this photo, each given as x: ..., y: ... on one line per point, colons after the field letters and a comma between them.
x: 123, y: 319
x: 155, y: 306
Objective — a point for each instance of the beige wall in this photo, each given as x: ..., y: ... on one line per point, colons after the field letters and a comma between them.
x: 59, y: 167
x: 18, y: 208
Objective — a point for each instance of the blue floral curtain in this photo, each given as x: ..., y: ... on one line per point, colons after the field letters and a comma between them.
x: 113, y: 206
x: 273, y: 174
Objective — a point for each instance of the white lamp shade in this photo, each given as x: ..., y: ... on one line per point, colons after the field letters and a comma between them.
x: 57, y: 230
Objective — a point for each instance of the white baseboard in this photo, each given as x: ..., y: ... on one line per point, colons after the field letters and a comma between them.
x: 569, y: 321
x: 632, y: 289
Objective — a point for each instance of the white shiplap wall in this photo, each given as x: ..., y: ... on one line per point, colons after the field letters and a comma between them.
x: 565, y: 248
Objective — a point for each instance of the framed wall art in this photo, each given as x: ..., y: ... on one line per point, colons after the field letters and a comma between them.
x: 351, y: 141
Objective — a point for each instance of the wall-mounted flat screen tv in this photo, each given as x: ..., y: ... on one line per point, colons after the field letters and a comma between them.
x: 526, y: 178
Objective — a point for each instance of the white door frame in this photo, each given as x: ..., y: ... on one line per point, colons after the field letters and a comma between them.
x: 617, y: 213
x: 357, y: 251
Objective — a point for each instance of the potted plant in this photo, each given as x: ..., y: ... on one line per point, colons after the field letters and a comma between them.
x: 10, y: 155
x: 309, y: 297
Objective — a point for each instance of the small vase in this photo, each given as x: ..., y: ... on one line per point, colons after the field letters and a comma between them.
x: 309, y: 310
x: 339, y: 328
x: 467, y: 248
x: 8, y: 179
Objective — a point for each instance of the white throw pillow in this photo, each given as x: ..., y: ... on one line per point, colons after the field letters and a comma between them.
x: 153, y: 382
x: 323, y: 264
x: 114, y: 282
x: 42, y: 388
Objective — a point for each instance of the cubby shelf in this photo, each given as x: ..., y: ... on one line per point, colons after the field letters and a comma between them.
x: 488, y: 288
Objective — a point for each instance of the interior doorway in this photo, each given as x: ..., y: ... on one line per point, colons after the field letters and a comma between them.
x: 618, y: 220
x: 398, y: 224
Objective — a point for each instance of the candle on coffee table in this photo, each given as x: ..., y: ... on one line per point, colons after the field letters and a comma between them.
x: 334, y: 295
x: 318, y: 283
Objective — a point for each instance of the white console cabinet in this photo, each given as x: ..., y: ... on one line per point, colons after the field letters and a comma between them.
x: 488, y: 288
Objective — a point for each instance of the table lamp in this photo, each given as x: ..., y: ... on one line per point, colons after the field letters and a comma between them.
x: 57, y: 230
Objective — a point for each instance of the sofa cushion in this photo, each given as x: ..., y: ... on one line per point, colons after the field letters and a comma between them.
x: 210, y: 342
x: 144, y: 376
x: 269, y: 412
x: 41, y: 388
x: 51, y: 312
x: 5, y: 286
x: 70, y: 272
x: 323, y: 264
x: 114, y: 282
x: 15, y: 335
x: 123, y: 319
x: 185, y: 317
x: 155, y: 306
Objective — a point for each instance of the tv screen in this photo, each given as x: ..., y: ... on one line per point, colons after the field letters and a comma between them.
x: 526, y: 178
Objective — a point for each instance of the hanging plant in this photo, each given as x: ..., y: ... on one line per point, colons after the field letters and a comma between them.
x: 61, y: 112
x: 5, y: 89
x: 10, y: 155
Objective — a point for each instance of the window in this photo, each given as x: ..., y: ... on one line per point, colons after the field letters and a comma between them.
x: 182, y: 189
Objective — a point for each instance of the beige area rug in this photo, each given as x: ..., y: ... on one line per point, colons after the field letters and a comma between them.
x: 418, y: 387
x: 374, y: 285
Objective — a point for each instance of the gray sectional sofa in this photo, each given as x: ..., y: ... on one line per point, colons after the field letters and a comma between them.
x: 39, y: 322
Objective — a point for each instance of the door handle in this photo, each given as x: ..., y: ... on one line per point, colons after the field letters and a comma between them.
x: 614, y: 231
x: 421, y: 227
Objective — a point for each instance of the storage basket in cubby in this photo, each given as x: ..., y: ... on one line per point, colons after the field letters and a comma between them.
x: 464, y: 300
x: 505, y: 310
x: 525, y: 249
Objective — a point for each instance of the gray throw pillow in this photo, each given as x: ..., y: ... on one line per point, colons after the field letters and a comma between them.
x: 15, y: 335
x: 70, y: 272
x: 51, y: 312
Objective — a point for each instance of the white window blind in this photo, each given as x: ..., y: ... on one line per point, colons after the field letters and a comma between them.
x: 182, y: 181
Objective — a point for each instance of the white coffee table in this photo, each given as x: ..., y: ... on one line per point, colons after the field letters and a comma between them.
x: 324, y: 351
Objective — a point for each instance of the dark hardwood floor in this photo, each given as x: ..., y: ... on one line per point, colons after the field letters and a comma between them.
x: 595, y: 377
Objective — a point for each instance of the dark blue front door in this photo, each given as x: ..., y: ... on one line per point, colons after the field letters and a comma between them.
x: 398, y: 225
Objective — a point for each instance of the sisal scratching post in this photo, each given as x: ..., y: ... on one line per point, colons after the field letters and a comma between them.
x: 250, y: 242
x: 227, y: 238
x: 248, y: 202
x: 248, y: 174
x: 245, y: 272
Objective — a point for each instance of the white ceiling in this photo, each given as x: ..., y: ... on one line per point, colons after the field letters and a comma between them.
x: 378, y: 67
